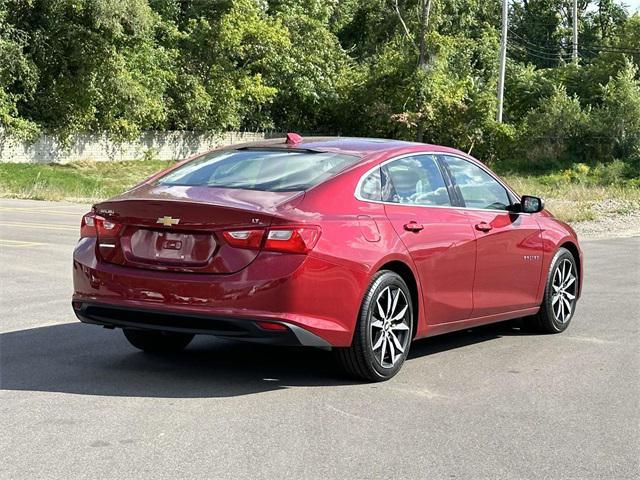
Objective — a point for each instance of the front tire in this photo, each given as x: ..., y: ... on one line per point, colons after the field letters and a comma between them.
x: 152, y: 341
x: 560, y: 295
x: 382, y: 336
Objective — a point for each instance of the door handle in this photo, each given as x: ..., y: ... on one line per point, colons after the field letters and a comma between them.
x: 413, y: 226
x: 483, y: 227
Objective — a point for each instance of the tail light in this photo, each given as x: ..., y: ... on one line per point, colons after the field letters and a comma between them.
x: 93, y: 225
x: 292, y: 240
x: 106, y: 228
x: 88, y: 226
x: 251, y: 239
x: 281, y: 239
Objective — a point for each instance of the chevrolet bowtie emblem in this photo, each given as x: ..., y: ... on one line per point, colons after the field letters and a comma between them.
x: 168, y: 221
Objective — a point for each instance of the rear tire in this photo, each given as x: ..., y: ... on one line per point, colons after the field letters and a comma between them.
x: 383, y: 334
x: 560, y: 295
x: 152, y: 341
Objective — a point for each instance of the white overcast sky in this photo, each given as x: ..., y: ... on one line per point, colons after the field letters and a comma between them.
x: 634, y: 5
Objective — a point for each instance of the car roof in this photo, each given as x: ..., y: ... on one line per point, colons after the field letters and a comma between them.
x: 347, y: 145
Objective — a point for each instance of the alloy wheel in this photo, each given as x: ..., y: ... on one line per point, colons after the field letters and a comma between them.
x: 564, y: 291
x: 390, y: 329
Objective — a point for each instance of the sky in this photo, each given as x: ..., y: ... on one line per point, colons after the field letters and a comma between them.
x: 634, y: 5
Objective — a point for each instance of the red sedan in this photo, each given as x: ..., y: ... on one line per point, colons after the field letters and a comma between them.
x: 357, y: 245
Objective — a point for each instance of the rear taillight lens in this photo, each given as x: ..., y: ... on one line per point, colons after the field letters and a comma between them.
x: 106, y: 228
x: 292, y: 240
x: 251, y: 239
x: 93, y: 225
x: 281, y: 239
x: 88, y: 226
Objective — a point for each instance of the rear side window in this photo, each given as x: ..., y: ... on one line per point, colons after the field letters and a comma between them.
x: 415, y: 180
x: 371, y: 188
x: 266, y: 170
x: 477, y: 187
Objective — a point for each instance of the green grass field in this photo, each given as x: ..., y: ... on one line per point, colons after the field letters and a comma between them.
x: 569, y: 197
x: 77, y: 182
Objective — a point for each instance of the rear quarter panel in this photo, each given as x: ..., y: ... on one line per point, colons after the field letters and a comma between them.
x: 356, y: 235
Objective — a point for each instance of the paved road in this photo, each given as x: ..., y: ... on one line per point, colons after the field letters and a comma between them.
x: 78, y: 402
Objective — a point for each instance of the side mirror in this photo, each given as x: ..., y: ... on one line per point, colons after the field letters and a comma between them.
x: 530, y: 204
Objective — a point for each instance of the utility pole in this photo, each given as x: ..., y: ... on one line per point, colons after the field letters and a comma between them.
x: 503, y: 58
x: 575, y: 31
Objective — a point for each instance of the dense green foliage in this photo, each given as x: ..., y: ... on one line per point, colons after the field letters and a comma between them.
x: 424, y: 69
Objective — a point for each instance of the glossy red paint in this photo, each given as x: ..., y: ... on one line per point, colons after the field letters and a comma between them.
x: 466, y: 266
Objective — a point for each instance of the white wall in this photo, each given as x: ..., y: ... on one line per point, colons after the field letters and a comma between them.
x: 161, y: 145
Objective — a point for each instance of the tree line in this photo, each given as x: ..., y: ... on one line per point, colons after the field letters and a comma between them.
x: 410, y: 69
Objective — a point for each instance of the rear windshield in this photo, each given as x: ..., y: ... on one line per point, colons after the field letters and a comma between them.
x: 267, y: 170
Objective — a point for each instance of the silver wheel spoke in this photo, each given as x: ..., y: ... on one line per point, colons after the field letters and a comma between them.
x: 384, y: 349
x: 570, y: 296
x: 396, y: 342
x: 395, y: 303
x: 379, y: 342
x: 569, y: 281
x: 392, y: 351
x: 381, y: 308
x: 400, y: 327
x: 567, y: 304
x: 400, y: 314
x: 377, y: 324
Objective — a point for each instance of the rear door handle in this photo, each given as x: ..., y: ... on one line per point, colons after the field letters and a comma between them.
x: 483, y: 227
x: 413, y: 226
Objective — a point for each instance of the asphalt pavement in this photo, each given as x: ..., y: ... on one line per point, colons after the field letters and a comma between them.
x: 493, y: 402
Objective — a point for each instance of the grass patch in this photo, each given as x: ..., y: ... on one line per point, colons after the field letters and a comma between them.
x: 80, y: 181
x: 575, y: 200
x: 572, y: 195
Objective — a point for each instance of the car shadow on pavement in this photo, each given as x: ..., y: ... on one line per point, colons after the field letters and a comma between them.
x: 88, y: 360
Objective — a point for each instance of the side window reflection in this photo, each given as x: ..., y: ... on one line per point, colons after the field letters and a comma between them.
x: 477, y: 187
x: 415, y: 180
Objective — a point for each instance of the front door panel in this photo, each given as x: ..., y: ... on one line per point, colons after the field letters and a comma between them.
x: 509, y: 263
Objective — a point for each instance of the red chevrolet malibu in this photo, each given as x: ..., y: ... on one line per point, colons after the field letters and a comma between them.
x: 357, y: 245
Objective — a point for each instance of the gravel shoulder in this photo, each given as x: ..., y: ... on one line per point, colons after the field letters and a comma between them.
x: 613, y: 219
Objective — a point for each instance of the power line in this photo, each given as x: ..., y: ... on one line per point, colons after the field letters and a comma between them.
x: 550, y: 54
x: 542, y: 49
x: 544, y: 57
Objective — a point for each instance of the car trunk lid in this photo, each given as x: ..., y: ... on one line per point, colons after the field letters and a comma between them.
x: 176, y: 228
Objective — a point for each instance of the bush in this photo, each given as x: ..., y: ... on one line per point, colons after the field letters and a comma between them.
x: 555, y: 130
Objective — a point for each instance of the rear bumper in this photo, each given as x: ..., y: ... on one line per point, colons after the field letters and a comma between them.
x: 318, y: 300
x: 148, y: 319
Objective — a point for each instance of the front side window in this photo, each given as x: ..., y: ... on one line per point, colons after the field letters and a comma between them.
x: 266, y: 170
x: 477, y: 188
x: 414, y: 180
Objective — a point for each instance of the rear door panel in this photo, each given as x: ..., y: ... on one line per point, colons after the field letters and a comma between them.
x: 444, y: 253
